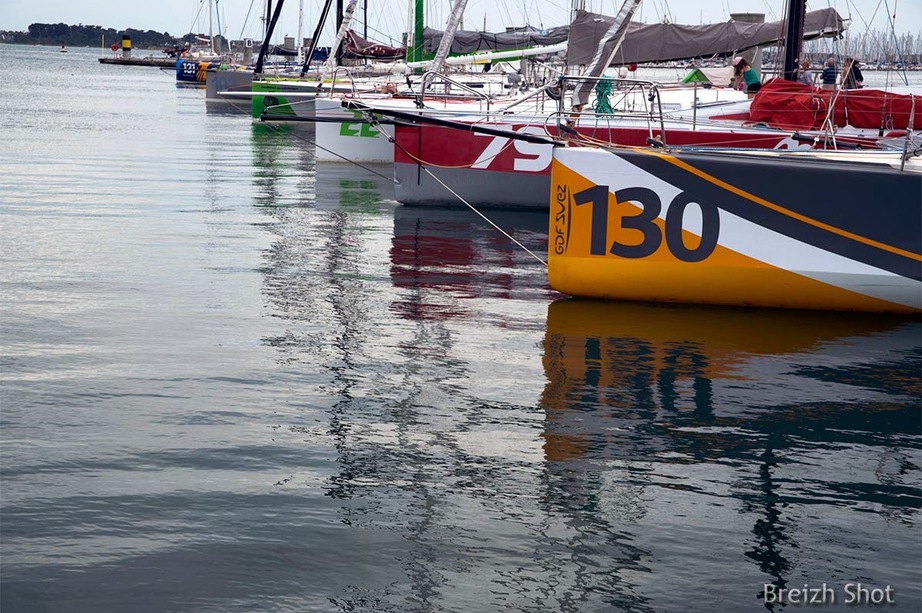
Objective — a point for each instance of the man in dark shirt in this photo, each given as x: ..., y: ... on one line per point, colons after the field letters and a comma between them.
x: 853, y: 78
x: 829, y: 74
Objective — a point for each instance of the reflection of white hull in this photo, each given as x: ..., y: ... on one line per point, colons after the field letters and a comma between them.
x: 348, y: 187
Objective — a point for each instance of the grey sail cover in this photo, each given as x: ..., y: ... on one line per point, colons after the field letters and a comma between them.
x: 663, y: 42
x: 470, y: 42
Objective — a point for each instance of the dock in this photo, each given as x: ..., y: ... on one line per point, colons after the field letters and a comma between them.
x: 161, y: 62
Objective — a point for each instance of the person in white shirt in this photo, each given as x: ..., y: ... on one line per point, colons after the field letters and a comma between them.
x: 806, y: 75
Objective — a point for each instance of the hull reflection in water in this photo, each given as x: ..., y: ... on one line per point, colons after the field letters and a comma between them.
x: 685, y: 362
x: 458, y: 254
x: 369, y: 189
x: 787, y: 441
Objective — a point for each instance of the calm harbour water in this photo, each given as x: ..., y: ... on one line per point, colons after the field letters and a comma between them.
x: 236, y: 380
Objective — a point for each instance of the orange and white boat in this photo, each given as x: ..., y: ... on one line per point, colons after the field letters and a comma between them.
x: 796, y: 229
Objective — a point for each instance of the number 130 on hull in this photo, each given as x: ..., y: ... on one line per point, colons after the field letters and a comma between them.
x: 767, y: 229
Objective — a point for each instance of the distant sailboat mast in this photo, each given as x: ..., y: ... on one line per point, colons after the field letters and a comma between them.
x: 210, y: 29
x: 270, y: 27
x: 299, y: 44
x: 266, y: 18
x: 316, y: 37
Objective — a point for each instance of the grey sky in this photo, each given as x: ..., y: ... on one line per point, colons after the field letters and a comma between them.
x: 388, y: 18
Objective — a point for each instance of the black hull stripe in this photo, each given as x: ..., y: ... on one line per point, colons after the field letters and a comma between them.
x: 884, y: 207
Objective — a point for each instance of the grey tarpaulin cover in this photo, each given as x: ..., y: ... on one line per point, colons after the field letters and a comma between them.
x: 662, y: 42
x: 470, y: 42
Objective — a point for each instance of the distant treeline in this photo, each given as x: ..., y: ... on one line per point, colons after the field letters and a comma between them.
x: 92, y: 36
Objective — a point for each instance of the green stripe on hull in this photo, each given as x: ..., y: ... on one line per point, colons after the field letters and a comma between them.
x: 280, y: 105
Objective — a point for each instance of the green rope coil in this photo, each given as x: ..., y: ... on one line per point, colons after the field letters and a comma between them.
x: 602, y: 96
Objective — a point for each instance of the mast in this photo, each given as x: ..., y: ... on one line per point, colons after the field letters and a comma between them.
x: 448, y: 36
x: 267, y: 18
x: 339, y: 24
x: 310, y: 52
x: 210, y: 28
x: 793, y: 38
x: 415, y: 32
x: 300, y: 41
x: 217, y: 15
x: 270, y: 27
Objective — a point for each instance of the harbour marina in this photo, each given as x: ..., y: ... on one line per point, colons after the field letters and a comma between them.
x: 237, y: 378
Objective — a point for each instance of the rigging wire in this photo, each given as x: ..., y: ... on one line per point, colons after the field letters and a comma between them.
x: 246, y: 20
x: 877, y: 42
x: 461, y: 199
x: 670, y: 16
x: 891, y: 20
x: 198, y: 14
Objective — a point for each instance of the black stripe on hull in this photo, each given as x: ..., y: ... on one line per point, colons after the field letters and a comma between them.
x: 881, y: 203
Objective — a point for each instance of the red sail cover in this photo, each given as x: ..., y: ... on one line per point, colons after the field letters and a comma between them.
x: 791, y: 106
x: 875, y: 108
x: 354, y: 46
